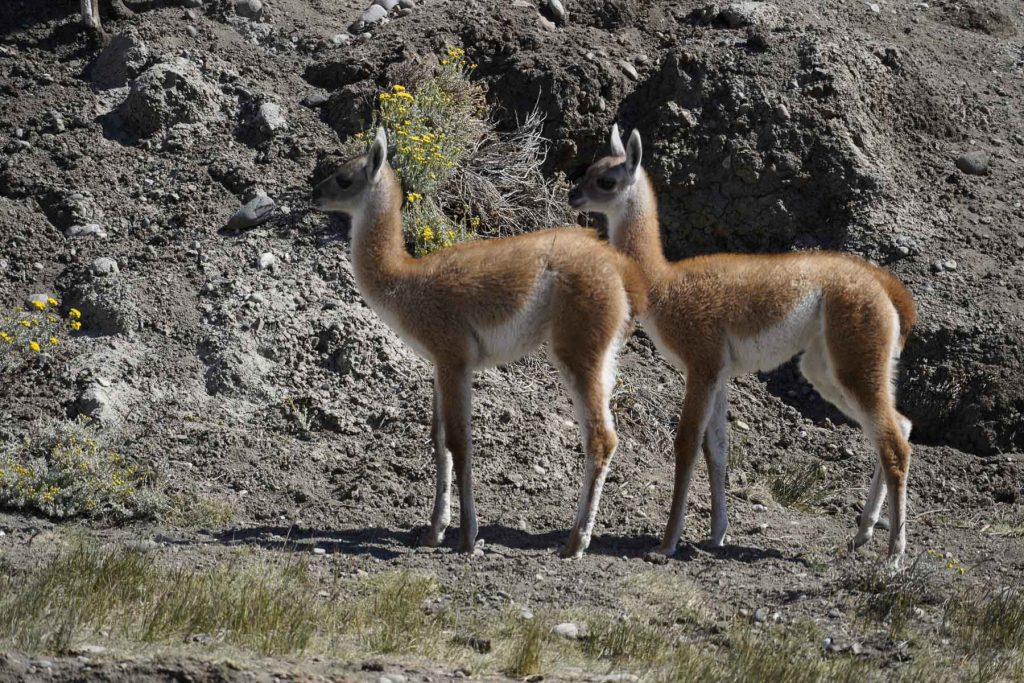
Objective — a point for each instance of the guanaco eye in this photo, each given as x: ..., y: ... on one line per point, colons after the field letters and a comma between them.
x: 343, y: 182
x: 606, y: 183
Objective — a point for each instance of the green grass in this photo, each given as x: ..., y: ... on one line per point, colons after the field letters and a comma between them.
x: 198, y: 512
x: 892, y: 595
x: 527, y: 651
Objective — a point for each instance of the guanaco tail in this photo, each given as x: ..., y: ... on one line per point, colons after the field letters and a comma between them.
x: 723, y: 315
x: 487, y: 302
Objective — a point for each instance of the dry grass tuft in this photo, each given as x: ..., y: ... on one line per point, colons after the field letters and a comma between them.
x: 527, y: 651
x: 801, y: 486
x: 894, y: 594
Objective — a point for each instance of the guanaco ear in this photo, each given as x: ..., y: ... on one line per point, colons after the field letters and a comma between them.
x: 378, y: 154
x: 634, y: 152
x: 615, y: 142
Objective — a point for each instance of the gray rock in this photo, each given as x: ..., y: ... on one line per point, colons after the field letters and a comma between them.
x: 875, y: 8
x: 314, y: 100
x: 192, y: 31
x: 56, y: 121
x: 557, y: 11
x: 167, y: 94
x: 760, y: 615
x: 403, y: 12
x: 96, y: 403
x: 270, y: 118
x: 762, y: 14
x: 388, y: 5
x: 373, y: 15
x: 973, y: 163
x: 30, y: 302
x: 569, y: 630
x: 629, y: 69
x: 192, y: 3
x: 266, y: 260
x: 104, y: 266
x: 87, y: 230
x: 341, y: 38
x: 407, y: 4
x: 250, y: 9
x: 949, y: 264
x: 254, y: 212
x: 124, y: 58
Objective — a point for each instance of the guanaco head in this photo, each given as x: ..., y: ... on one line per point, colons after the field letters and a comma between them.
x: 351, y: 188
x: 611, y: 179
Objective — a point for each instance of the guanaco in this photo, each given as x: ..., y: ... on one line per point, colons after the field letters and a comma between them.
x: 718, y: 316
x: 488, y: 302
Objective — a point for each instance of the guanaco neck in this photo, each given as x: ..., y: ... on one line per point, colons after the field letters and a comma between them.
x: 378, y: 245
x: 635, y: 230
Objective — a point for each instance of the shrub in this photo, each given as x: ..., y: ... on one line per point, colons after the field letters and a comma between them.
x: 28, y: 332
x: 460, y: 176
x: 65, y: 469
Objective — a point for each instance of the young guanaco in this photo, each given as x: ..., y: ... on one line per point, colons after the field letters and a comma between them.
x: 484, y: 303
x: 723, y: 315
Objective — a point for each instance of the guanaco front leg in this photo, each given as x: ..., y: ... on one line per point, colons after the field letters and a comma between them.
x: 692, y: 423
x: 716, y: 453
x: 454, y: 385
x: 441, y: 516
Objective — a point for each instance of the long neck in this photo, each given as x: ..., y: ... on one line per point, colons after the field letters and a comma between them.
x: 635, y: 230
x: 378, y: 245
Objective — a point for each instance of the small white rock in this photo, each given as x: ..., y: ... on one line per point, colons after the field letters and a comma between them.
x: 742, y: 426
x: 266, y: 260
x: 568, y: 630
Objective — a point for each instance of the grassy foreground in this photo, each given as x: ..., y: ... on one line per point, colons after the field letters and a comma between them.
x: 663, y: 630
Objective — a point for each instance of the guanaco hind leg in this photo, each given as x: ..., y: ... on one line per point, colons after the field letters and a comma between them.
x: 441, y: 516
x: 454, y: 383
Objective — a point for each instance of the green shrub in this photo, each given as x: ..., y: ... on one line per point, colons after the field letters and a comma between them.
x: 65, y: 469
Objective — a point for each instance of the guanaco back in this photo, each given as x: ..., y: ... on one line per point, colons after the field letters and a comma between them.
x: 723, y: 315
x: 488, y: 302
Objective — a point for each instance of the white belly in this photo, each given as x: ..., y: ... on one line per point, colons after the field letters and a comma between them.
x: 774, y: 346
x: 527, y: 329
x: 647, y: 321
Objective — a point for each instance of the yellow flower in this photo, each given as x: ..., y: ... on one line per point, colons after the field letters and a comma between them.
x: 54, y: 341
x: 26, y: 323
x: 74, y: 313
x: 53, y: 302
x: 6, y: 337
x: 398, y: 88
x: 34, y: 345
x: 75, y: 325
x: 414, y: 196
x: 427, y: 234
x: 40, y: 305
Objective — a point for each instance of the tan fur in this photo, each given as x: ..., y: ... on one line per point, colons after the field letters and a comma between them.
x: 720, y: 315
x: 490, y: 301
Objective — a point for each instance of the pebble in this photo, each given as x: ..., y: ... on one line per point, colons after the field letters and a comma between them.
x: 619, y: 678
x: 760, y: 615
x: 319, y: 551
x: 629, y: 69
x: 388, y: 5
x: 875, y: 7
x: 56, y: 121
x: 340, y: 39
x: 407, y: 4
x: 104, y: 265
x: 403, y: 12
x: 314, y: 100
x: 568, y: 630
x: 949, y: 264
x: 192, y: 31
x: 557, y: 10
x: 254, y: 212
x: 973, y: 163
x: 266, y: 260
x: 373, y: 14
x: 270, y: 118
x: 782, y: 112
x: 742, y: 426
x: 87, y: 230
x: 257, y: 298
x: 391, y: 678
x: 250, y: 9
x: 525, y: 614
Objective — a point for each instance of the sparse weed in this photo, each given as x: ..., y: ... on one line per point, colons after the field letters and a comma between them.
x: 626, y: 640
x: 894, y: 594
x: 527, y: 652
x: 198, y: 512
x: 66, y: 469
x: 1008, y: 525
x: 393, y: 619
x: 30, y: 331
x: 799, y: 486
x: 988, y: 624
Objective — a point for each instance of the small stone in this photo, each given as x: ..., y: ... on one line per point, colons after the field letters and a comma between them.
x: 341, y: 38
x: 936, y: 266
x: 874, y: 7
x: 629, y: 69
x: 568, y: 630
x: 314, y: 100
x: 760, y: 615
x: 373, y: 15
x: 250, y: 9
x: 973, y: 163
x: 403, y: 12
x: 266, y: 260
x: 388, y: 5
x: 103, y: 266
x: 949, y: 264
x: 407, y: 4
x: 539, y: 470
x: 270, y: 118
x: 257, y: 298
x: 782, y: 112
x: 742, y: 426
x: 319, y: 551
x: 857, y: 649
x: 56, y: 121
x: 835, y: 613
x: 525, y: 614
x: 254, y: 212
x: 557, y: 11
x: 88, y: 230
x: 192, y: 31
x: 89, y: 650
x: 546, y: 23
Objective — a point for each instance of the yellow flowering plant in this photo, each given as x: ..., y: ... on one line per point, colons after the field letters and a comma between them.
x: 26, y: 332
x: 66, y: 469
x: 432, y: 125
